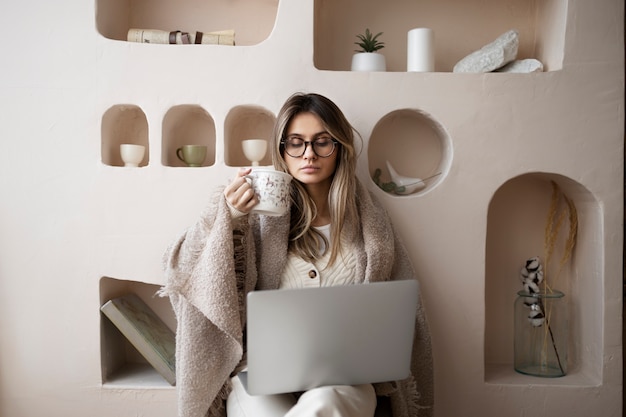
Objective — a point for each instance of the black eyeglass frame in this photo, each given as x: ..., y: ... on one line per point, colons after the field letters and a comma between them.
x: 310, y: 142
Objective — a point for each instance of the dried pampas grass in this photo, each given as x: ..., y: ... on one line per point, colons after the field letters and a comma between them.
x: 561, y: 208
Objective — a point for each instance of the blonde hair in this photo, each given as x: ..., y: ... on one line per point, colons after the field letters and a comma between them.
x: 304, y: 239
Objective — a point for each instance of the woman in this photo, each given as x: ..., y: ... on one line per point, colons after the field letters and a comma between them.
x: 334, y: 234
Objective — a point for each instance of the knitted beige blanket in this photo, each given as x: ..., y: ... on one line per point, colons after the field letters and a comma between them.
x: 213, y: 265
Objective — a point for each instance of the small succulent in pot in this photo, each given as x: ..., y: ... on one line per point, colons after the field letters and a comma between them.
x: 369, y: 42
x: 367, y: 58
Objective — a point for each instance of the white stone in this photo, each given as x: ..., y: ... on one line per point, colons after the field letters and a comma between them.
x: 522, y: 66
x: 492, y: 56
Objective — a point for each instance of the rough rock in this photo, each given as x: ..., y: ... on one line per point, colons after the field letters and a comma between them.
x: 492, y: 56
x: 522, y: 66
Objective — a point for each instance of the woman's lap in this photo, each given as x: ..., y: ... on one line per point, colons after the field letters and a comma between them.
x: 331, y: 401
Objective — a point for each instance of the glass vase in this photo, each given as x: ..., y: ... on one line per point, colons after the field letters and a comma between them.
x: 541, y: 334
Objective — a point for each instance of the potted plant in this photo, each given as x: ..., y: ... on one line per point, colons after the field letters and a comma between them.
x: 367, y: 58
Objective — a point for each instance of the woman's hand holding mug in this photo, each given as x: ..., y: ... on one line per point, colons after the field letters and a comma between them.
x: 262, y: 190
x: 239, y: 193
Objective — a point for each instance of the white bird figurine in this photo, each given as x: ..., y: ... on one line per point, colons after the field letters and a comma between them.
x: 404, y: 185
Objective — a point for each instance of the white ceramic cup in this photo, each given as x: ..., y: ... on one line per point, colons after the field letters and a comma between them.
x: 132, y: 154
x: 254, y: 150
x: 272, y: 189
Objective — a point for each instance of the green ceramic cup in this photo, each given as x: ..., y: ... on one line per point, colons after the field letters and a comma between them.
x: 192, y: 155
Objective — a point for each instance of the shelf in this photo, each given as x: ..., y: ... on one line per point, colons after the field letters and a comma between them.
x: 121, y: 363
x: 252, y: 20
x: 123, y: 123
x: 460, y: 27
x: 136, y: 376
x: 414, y: 143
x: 246, y: 122
x: 502, y: 375
x: 515, y: 232
x: 187, y: 125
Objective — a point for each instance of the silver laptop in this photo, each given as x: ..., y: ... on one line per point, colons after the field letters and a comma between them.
x: 343, y: 335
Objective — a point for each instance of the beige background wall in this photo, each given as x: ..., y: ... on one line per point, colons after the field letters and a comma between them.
x: 72, y: 91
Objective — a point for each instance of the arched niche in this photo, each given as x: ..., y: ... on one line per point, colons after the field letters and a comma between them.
x: 187, y: 124
x: 516, y: 224
x: 246, y: 122
x: 123, y: 123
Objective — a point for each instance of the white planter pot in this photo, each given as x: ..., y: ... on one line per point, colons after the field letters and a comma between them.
x: 368, y: 61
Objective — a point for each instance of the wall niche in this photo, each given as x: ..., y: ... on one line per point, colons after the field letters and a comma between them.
x: 122, y: 365
x: 460, y: 27
x: 247, y: 122
x: 123, y: 123
x: 187, y: 124
x: 516, y: 224
x: 415, y: 145
x: 252, y: 20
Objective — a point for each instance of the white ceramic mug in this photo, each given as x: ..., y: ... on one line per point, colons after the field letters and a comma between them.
x: 272, y: 189
x: 132, y: 154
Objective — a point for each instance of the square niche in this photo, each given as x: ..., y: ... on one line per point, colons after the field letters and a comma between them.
x: 122, y: 365
x: 460, y: 27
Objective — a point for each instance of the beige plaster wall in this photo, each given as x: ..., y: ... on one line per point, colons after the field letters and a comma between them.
x: 69, y: 216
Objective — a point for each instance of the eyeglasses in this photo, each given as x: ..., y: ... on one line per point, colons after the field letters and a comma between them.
x: 322, y: 147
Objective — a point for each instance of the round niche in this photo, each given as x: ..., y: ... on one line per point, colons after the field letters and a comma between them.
x: 243, y: 123
x: 123, y: 124
x: 409, y: 153
x: 186, y: 125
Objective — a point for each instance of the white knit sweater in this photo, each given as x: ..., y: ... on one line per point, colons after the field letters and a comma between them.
x: 299, y: 273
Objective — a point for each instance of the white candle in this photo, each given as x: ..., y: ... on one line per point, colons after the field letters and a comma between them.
x: 420, y: 50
